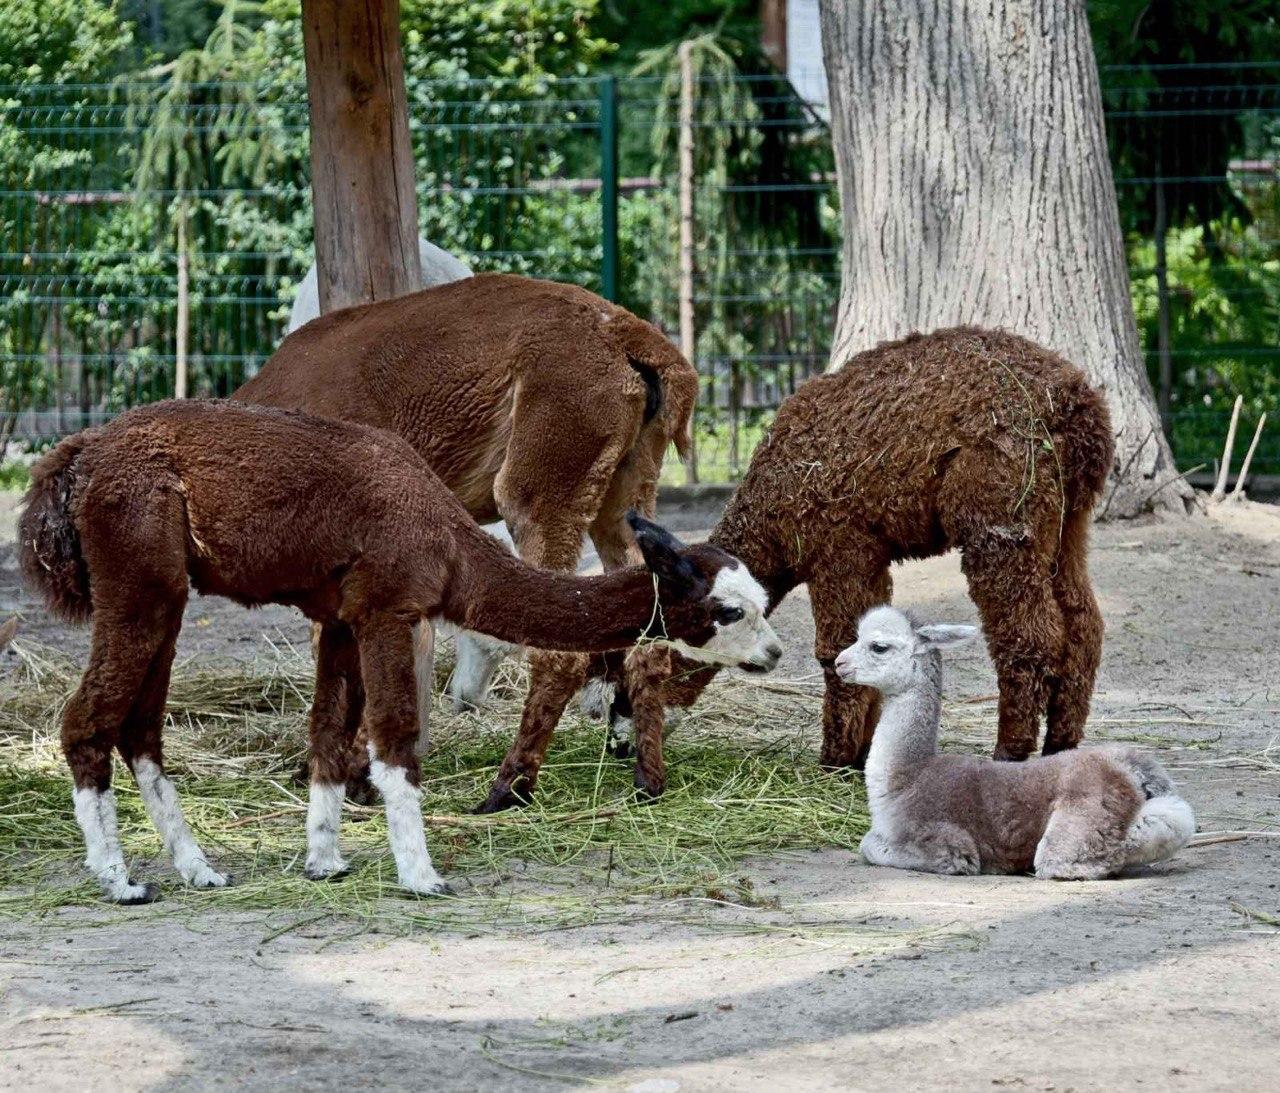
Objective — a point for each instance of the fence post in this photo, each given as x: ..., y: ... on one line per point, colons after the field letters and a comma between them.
x: 1165, y: 356
x: 688, y: 333
x: 609, y: 188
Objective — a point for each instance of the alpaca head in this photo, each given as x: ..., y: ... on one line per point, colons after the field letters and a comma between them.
x: 712, y: 608
x: 892, y: 652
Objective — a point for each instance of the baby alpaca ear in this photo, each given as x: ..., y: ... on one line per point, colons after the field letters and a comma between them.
x: 944, y: 635
x: 662, y: 551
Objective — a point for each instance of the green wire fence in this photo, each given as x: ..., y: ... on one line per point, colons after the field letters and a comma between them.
x: 576, y: 180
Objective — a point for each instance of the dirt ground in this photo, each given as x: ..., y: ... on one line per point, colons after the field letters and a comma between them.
x: 1168, y: 980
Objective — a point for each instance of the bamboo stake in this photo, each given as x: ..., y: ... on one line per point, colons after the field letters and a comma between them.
x: 1220, y: 487
x: 688, y: 336
x: 1238, y: 493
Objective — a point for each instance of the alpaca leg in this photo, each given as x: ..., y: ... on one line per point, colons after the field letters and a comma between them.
x: 1071, y: 690
x: 335, y: 717
x: 123, y: 649
x: 840, y: 597
x: 1084, y: 840
x: 944, y: 849
x: 386, y: 664
x: 141, y: 748
x: 1010, y: 582
x: 645, y: 672
x: 555, y: 678
x: 549, y: 536
x: 478, y: 657
x: 424, y: 674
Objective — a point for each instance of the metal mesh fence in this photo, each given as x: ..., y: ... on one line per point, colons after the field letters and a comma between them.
x: 519, y: 179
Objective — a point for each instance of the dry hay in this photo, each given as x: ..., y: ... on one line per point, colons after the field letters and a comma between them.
x: 743, y: 782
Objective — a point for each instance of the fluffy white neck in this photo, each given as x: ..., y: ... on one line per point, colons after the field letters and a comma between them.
x: 907, y: 732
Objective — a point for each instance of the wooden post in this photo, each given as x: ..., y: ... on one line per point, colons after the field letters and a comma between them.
x: 688, y: 336
x: 366, y: 207
x: 184, y: 306
x: 1165, y: 393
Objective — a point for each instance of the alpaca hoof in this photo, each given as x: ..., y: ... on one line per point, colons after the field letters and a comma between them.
x: 1052, y: 747
x: 327, y: 872
x: 134, y: 895
x: 649, y: 790
x: 503, y: 797
x: 618, y: 748
x: 203, y: 877
x: 1004, y: 754
x: 843, y: 764
x: 430, y: 891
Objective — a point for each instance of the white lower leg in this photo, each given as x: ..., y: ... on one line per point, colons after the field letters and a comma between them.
x: 324, y: 813
x: 96, y: 815
x: 161, y: 801
x: 405, y: 829
x: 478, y: 658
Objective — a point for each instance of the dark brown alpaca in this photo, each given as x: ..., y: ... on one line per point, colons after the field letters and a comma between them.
x: 346, y: 523
x: 538, y: 403
x: 965, y: 439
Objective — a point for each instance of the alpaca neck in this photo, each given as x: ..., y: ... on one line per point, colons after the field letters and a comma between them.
x: 907, y: 733
x: 495, y: 593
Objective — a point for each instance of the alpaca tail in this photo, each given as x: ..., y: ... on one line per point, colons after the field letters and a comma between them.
x: 1083, y: 429
x: 672, y: 380
x: 1163, y: 826
x: 1165, y: 823
x: 48, y: 540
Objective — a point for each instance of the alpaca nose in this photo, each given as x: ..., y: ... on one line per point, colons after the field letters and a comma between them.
x: 844, y: 666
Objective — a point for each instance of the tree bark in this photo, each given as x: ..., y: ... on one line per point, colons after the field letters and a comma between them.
x: 366, y: 207
x: 976, y: 188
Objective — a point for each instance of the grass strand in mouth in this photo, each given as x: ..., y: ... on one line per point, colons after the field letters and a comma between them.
x: 742, y: 783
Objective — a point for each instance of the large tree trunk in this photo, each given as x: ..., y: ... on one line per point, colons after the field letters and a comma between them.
x: 366, y: 207
x: 976, y: 188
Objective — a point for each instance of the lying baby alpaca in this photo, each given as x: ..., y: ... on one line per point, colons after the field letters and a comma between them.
x: 1077, y: 815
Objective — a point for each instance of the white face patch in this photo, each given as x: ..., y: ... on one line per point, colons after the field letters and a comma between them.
x: 749, y: 641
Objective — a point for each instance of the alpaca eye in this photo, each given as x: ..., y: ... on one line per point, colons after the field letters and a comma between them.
x: 727, y: 615
x: 880, y: 647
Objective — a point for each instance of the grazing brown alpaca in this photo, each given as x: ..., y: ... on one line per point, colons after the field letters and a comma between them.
x: 966, y: 439
x: 538, y: 403
x: 346, y: 523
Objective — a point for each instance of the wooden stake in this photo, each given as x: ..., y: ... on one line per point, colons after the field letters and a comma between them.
x: 1220, y: 488
x: 1238, y: 493
x: 366, y: 205
x: 184, y: 306
x: 688, y: 335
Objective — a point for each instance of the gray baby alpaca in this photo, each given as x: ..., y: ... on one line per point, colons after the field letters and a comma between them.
x: 1077, y: 815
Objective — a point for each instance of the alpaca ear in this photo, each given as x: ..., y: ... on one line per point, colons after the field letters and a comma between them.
x: 663, y: 552
x: 944, y: 635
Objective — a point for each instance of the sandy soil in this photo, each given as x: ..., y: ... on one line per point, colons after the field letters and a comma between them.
x: 1168, y: 980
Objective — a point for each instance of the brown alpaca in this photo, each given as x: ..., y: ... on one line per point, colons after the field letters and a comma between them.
x: 348, y: 524
x: 538, y: 403
x: 966, y: 439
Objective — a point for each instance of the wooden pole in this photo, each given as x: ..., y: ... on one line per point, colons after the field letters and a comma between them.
x: 688, y: 335
x: 1220, y: 488
x: 1238, y: 493
x: 362, y: 185
x: 184, y: 306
